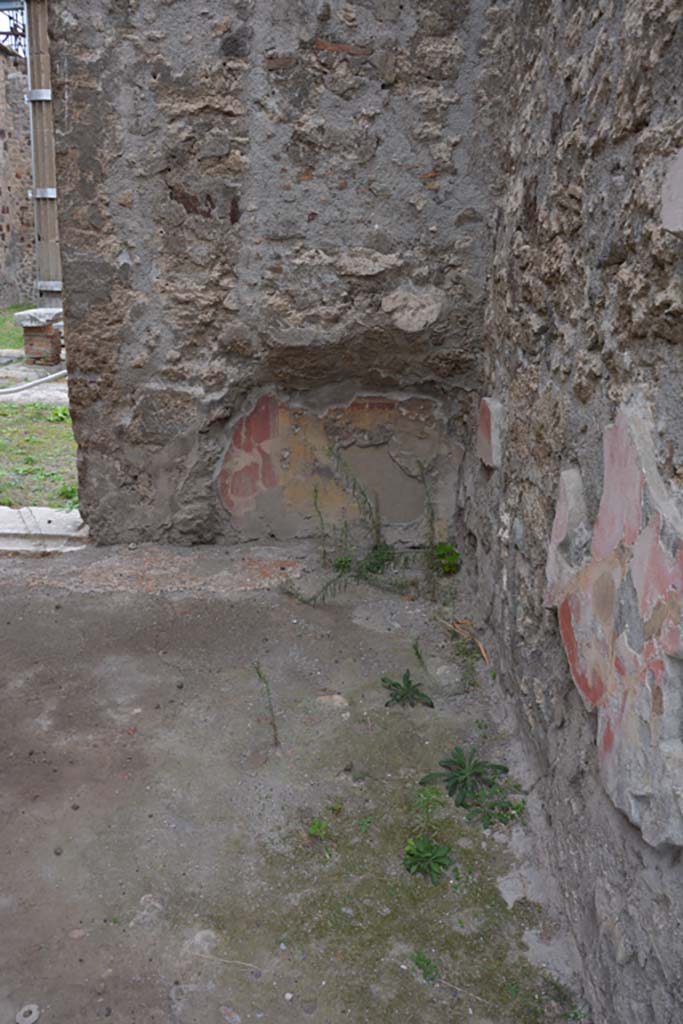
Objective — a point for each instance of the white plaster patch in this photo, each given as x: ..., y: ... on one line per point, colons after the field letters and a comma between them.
x: 672, y: 195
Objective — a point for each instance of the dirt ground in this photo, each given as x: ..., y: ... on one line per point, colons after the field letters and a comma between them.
x: 157, y: 862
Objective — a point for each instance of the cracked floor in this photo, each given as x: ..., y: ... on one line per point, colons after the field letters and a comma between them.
x: 156, y: 861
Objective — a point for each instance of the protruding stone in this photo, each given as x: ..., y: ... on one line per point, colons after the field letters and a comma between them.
x: 42, y: 316
x: 413, y: 310
x: 489, y: 434
x: 366, y: 263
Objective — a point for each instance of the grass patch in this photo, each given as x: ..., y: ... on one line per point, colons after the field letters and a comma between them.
x: 12, y: 336
x: 37, y: 457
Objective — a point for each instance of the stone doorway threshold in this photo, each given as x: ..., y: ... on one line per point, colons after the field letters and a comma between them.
x: 40, y: 531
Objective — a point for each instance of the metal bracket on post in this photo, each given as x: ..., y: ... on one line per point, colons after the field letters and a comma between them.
x: 39, y: 95
x: 49, y: 286
x: 45, y: 193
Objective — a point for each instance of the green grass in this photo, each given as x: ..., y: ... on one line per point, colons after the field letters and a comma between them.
x: 12, y: 336
x: 37, y: 457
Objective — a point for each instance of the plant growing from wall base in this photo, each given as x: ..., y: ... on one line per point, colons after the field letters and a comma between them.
x: 464, y: 775
x: 447, y: 558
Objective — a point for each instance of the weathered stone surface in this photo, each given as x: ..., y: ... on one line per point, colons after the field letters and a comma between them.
x: 292, y: 199
x: 580, y: 115
x: 283, y: 458
x: 413, y: 310
x: 490, y: 433
x: 619, y: 608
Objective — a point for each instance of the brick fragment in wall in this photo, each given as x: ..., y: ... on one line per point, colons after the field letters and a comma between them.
x: 281, y: 456
x: 490, y: 433
x: 619, y: 607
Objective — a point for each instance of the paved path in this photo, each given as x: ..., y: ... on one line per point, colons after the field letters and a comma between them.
x: 172, y: 724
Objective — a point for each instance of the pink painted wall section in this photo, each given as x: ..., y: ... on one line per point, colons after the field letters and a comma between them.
x: 618, y: 591
x: 279, y: 455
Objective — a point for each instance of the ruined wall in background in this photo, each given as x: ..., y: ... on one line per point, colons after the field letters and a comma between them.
x: 16, y: 213
x: 276, y: 198
x: 585, y: 330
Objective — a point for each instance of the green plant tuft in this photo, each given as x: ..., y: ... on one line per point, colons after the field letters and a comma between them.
x: 464, y: 775
x: 446, y: 558
x: 480, y: 787
x: 60, y: 414
x: 406, y: 692
x: 428, y: 801
x: 429, y: 970
x: 424, y: 856
x: 319, y: 828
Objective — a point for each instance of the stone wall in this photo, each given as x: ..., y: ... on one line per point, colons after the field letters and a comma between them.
x: 584, y: 335
x: 282, y: 197
x: 16, y: 213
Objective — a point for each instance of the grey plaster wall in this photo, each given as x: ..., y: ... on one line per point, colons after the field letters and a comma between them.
x: 260, y: 193
x: 584, y: 313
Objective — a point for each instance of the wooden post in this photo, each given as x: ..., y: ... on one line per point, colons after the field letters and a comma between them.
x: 48, y: 258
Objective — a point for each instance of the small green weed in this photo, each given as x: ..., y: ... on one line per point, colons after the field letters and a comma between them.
x: 343, y: 564
x: 464, y: 775
x: 336, y: 808
x: 447, y: 558
x: 377, y: 560
x: 419, y: 655
x: 428, y: 801
x: 429, y: 970
x: 480, y: 787
x: 405, y: 692
x: 364, y: 825
x: 60, y: 414
x: 319, y: 828
x: 495, y: 805
x: 424, y: 856
x: 269, y: 703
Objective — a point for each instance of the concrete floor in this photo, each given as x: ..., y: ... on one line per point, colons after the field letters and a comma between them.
x: 155, y: 858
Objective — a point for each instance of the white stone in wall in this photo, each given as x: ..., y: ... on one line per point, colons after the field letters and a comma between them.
x: 672, y: 195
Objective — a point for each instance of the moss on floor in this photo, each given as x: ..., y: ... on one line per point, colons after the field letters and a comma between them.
x: 12, y: 336
x: 37, y: 456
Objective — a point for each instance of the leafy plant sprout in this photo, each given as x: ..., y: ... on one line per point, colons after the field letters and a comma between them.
x: 447, y: 558
x: 319, y: 828
x: 428, y: 801
x: 429, y: 970
x: 424, y: 856
x: 464, y: 775
x: 480, y: 787
x: 405, y: 692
